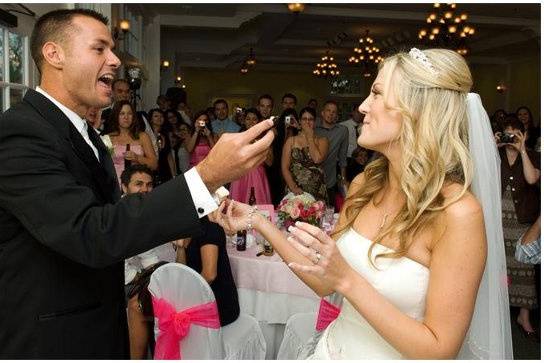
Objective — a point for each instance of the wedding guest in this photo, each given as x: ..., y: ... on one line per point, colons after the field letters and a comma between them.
x: 265, y: 105
x: 202, y: 139
x: 207, y: 255
x: 163, y: 103
x: 257, y: 179
x: 163, y: 146
x: 288, y: 100
x: 525, y: 115
x: 357, y: 162
x: 94, y: 119
x: 126, y: 132
x: 173, y: 117
x: 312, y: 103
x: 353, y: 124
x: 496, y: 120
x: 139, y: 179
x: 520, y: 174
x: 301, y: 158
x: 222, y: 122
x: 184, y: 133
x: 409, y: 251
x: 336, y: 158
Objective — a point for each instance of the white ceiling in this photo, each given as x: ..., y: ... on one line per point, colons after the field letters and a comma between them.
x: 220, y: 35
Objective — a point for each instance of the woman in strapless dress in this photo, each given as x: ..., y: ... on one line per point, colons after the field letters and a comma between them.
x: 409, y: 250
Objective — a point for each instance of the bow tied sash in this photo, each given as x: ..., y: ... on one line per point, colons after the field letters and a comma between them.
x: 175, y: 325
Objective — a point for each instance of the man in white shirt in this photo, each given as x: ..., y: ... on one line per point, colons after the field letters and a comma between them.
x: 353, y: 125
x: 65, y: 229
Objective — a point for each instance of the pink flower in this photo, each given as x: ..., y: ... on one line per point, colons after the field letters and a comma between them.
x: 295, y: 213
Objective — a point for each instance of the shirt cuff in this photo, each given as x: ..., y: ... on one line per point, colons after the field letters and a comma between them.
x: 202, y: 198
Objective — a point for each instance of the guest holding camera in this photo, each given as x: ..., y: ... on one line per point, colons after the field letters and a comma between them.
x: 202, y: 140
x: 302, y: 156
x: 520, y: 209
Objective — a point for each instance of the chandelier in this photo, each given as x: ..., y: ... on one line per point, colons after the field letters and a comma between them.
x: 248, y: 62
x: 447, y: 29
x: 295, y: 7
x: 366, y: 54
x: 327, y: 67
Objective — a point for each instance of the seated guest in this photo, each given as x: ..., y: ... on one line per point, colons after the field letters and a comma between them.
x: 125, y: 131
x: 201, y: 141
x: 256, y: 178
x: 222, y: 122
x: 302, y: 156
x: 139, y: 179
x: 357, y: 162
x: 207, y: 255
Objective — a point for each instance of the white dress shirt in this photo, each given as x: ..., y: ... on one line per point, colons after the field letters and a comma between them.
x: 203, y: 201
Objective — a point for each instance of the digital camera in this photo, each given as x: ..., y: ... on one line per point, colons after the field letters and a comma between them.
x: 506, y: 138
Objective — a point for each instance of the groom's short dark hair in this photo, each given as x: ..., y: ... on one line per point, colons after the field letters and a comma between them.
x: 56, y: 26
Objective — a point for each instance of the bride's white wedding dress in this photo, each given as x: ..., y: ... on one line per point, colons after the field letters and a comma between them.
x: 402, y: 281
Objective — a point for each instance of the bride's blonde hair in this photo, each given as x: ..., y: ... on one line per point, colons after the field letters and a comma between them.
x: 434, y: 141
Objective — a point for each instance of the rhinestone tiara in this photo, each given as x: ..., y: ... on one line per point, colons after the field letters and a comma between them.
x: 419, y: 56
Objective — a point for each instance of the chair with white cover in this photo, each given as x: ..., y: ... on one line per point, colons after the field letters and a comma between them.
x: 183, y: 288
x: 298, y: 330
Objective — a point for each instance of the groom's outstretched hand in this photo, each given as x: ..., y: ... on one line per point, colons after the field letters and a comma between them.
x: 235, y: 154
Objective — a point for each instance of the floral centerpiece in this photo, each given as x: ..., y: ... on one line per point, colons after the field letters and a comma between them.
x: 302, y: 207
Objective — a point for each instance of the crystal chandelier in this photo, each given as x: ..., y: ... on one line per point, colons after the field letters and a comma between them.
x: 366, y: 54
x: 327, y: 67
x: 447, y: 29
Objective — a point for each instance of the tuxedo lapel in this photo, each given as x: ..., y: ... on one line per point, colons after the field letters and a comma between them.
x: 52, y: 114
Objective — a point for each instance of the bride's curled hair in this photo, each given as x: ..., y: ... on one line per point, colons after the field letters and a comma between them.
x: 433, y: 139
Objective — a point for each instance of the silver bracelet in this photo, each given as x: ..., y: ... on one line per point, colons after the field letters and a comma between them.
x: 250, y: 219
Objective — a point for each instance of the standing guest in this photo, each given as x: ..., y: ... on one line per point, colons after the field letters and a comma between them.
x: 265, y: 105
x: 94, y: 119
x: 312, y: 103
x: 173, y: 118
x: 240, y: 189
x: 496, y: 120
x: 178, y: 102
x: 520, y: 208
x: 222, y: 122
x: 288, y: 100
x: 139, y: 179
x: 125, y: 131
x: 337, y: 135
x: 184, y: 133
x: 282, y: 131
x: 121, y: 92
x: 202, y: 140
x: 353, y: 125
x: 357, y: 162
x: 166, y: 169
x: 207, y: 255
x: 163, y: 103
x: 65, y: 230
x: 525, y: 115
x: 211, y: 113
x: 301, y: 158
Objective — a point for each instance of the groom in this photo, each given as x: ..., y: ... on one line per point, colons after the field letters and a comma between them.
x: 64, y: 230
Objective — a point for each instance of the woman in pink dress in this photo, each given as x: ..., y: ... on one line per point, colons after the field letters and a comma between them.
x: 240, y: 189
x: 126, y: 132
x: 202, y: 139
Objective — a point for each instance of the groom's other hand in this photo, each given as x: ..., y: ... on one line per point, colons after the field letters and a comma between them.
x: 235, y: 154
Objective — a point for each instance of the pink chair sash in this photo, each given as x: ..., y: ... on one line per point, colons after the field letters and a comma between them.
x: 327, y: 313
x: 175, y: 325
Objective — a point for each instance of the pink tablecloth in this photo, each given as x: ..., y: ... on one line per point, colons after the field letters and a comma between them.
x: 265, y: 273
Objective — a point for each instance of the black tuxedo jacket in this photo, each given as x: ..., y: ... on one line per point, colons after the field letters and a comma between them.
x: 64, y: 233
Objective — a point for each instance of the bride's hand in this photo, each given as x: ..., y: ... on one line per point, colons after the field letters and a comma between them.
x: 233, y: 216
x: 328, y: 264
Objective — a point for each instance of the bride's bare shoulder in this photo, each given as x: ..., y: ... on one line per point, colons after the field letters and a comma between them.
x: 465, y: 207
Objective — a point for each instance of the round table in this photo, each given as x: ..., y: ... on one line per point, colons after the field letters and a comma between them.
x: 269, y: 291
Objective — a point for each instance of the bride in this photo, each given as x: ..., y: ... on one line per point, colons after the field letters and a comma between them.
x: 409, y: 251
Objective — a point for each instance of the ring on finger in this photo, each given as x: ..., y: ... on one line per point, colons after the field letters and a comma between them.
x: 317, y: 257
